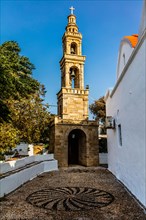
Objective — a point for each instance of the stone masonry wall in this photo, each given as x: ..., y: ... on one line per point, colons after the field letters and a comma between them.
x: 88, y: 151
x: 73, y: 104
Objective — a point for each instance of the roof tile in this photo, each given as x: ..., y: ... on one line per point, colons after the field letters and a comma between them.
x: 133, y: 39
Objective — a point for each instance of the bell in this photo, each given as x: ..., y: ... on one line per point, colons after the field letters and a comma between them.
x: 72, y: 50
x: 72, y: 74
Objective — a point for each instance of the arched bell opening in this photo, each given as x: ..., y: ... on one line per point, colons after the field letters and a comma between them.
x: 76, y: 147
x: 74, y: 77
x: 73, y: 48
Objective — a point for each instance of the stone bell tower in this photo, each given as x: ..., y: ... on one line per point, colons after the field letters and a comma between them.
x: 72, y: 98
x: 73, y: 138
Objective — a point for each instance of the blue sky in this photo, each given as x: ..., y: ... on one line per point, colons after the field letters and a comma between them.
x: 38, y: 27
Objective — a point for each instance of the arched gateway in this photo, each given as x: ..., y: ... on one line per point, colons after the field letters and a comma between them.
x: 73, y: 138
x: 76, y: 146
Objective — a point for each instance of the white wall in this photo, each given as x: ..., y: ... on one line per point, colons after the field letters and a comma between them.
x: 143, y: 20
x: 25, y: 149
x: 124, y: 54
x: 15, y: 164
x: 103, y: 158
x: 128, y: 106
x: 14, y: 180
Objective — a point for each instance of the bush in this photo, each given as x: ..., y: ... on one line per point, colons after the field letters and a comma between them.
x: 2, y: 157
x: 9, y: 152
x: 8, y: 137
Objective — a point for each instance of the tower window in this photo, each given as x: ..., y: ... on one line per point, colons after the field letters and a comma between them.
x: 73, y: 48
x: 74, y: 79
x: 72, y: 83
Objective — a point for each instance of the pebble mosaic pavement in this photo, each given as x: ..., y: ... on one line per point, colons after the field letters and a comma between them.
x: 74, y: 193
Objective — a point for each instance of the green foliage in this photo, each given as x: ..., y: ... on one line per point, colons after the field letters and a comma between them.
x: 11, y: 61
x: 8, y: 136
x: 98, y: 109
x: 15, y: 76
x: 4, y: 112
x: 31, y: 117
x: 2, y: 157
x: 23, y: 116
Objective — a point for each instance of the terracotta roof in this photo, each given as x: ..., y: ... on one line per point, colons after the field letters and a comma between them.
x: 133, y: 39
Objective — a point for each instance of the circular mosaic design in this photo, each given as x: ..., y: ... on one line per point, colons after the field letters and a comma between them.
x: 70, y: 198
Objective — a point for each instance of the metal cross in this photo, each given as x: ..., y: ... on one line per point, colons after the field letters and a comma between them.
x: 72, y: 10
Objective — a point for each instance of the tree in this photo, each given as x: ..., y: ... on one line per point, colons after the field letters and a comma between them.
x: 98, y: 109
x: 23, y: 116
x: 31, y: 117
x: 15, y: 76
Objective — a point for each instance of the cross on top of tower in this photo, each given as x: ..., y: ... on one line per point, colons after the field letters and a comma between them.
x: 72, y: 10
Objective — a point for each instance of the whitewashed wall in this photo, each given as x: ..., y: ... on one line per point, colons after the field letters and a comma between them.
x: 14, y: 180
x: 127, y: 106
x: 125, y: 52
x: 25, y: 149
x: 103, y: 158
x: 143, y: 20
x: 15, y: 164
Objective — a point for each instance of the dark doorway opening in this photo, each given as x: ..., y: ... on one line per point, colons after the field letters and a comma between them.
x: 76, y: 146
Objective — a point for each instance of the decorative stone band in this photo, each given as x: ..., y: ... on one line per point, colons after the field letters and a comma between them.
x: 73, y: 91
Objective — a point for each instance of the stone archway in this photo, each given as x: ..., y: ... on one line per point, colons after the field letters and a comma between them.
x: 77, y: 147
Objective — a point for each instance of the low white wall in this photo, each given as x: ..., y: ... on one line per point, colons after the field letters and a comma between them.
x: 15, y: 164
x: 44, y: 157
x: 103, y: 158
x: 12, y: 182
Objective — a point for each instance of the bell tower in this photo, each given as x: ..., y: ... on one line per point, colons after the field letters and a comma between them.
x: 73, y: 138
x: 72, y: 98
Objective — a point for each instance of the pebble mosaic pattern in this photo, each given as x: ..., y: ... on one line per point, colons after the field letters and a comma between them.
x: 70, y: 198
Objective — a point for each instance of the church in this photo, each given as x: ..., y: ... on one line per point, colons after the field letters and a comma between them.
x: 125, y: 104
x: 73, y: 138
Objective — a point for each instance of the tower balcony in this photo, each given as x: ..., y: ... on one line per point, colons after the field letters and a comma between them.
x: 75, y: 34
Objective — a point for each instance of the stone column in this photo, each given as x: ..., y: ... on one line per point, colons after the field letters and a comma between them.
x: 82, y: 76
x: 67, y: 76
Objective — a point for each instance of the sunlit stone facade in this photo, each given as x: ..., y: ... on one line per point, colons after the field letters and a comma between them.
x: 73, y: 138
